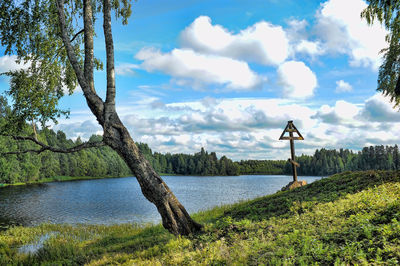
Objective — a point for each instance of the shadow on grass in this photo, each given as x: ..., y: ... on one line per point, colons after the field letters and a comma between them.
x: 114, y: 240
x: 142, y: 240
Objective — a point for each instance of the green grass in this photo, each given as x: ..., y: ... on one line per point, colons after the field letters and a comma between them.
x: 349, y: 218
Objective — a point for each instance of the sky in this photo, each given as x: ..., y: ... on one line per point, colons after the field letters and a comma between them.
x: 227, y: 75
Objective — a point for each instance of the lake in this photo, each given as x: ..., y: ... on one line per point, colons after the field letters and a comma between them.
x: 120, y: 200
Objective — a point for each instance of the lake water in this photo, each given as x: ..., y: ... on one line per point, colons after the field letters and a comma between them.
x: 119, y: 200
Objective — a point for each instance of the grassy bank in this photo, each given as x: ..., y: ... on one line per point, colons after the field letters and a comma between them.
x: 349, y: 218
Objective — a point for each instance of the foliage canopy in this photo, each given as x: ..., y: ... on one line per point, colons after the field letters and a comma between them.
x: 387, y: 13
x: 30, y: 30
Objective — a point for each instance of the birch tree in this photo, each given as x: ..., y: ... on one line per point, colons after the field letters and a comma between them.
x: 55, y: 40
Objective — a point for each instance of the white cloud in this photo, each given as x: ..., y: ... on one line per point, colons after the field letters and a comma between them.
x: 246, y: 114
x: 126, y: 69
x: 299, y: 39
x: 228, y: 115
x: 239, y: 128
x: 262, y: 42
x: 342, y: 113
x: 309, y: 47
x: 296, y: 80
x: 9, y: 63
x: 354, y: 126
x: 83, y: 129
x: 378, y: 108
x: 197, y: 70
x: 297, y: 29
x: 342, y: 30
x: 202, y: 35
x: 343, y: 86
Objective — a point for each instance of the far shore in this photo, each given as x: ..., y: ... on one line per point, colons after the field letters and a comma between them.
x: 58, y: 179
x: 79, y: 178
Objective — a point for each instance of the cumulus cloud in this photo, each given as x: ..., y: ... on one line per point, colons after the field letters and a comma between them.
x: 343, y: 86
x: 198, y: 70
x: 339, y: 26
x: 83, y: 129
x: 378, y: 108
x: 220, y: 120
x: 245, y: 115
x: 9, y: 63
x: 299, y: 39
x: 126, y: 69
x: 296, y: 79
x: 343, y: 112
x: 231, y: 127
x: 297, y: 29
x: 227, y: 115
x: 355, y: 126
x: 262, y: 42
x: 152, y: 126
x: 309, y: 47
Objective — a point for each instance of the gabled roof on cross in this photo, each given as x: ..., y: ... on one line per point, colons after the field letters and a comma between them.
x: 290, y: 127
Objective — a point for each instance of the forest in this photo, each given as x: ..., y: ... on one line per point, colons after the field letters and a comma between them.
x: 328, y: 162
x: 104, y: 162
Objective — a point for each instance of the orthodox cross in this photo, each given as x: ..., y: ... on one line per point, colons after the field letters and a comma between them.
x: 290, y: 128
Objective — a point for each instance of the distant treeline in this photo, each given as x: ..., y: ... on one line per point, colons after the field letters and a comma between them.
x: 323, y: 162
x: 201, y: 163
x: 96, y: 162
x: 103, y: 161
x: 328, y: 162
x: 28, y: 167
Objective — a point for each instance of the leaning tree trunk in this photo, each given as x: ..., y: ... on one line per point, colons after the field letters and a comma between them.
x: 174, y: 216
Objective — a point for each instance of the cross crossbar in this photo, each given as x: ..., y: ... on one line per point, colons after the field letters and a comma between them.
x: 291, y: 128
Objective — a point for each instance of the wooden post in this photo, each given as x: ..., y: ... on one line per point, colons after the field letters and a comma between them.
x: 290, y: 128
x: 294, y: 167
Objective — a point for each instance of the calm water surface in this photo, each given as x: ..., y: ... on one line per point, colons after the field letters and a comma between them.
x: 119, y: 200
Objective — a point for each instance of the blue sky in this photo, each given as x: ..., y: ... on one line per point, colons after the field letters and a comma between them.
x: 228, y: 75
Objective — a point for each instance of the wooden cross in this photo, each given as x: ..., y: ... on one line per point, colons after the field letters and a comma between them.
x: 290, y: 128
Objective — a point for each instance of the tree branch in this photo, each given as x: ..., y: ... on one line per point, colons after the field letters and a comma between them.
x: 45, y: 147
x: 76, y: 35
x: 88, y: 43
x: 95, y: 103
x: 110, y: 98
x: 70, y: 51
x: 397, y: 88
x: 63, y: 46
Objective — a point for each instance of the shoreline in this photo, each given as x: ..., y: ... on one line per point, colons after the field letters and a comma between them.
x: 80, y: 178
x: 58, y: 179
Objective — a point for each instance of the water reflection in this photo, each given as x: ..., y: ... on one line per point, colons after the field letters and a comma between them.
x: 119, y: 200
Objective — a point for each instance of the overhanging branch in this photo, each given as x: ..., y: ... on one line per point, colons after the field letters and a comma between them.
x: 63, y: 46
x: 77, y: 34
x: 45, y: 147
